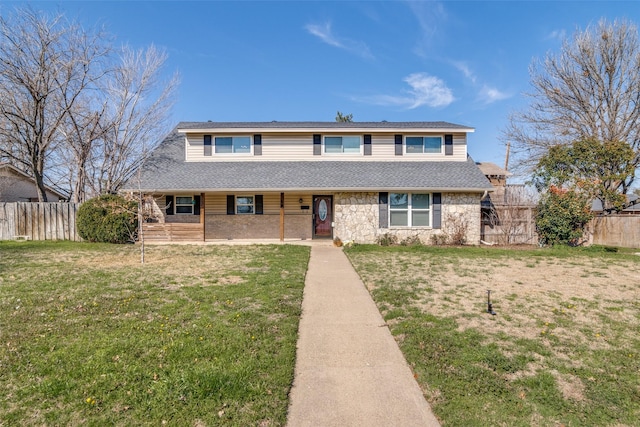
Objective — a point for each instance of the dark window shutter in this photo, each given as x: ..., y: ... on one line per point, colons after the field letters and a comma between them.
x: 257, y: 145
x: 383, y: 203
x: 367, y: 145
x: 437, y: 210
x: 196, y: 205
x: 207, y: 145
x: 448, y: 145
x: 231, y: 204
x: 259, y: 204
x: 169, y: 204
x: 398, y: 143
x: 317, y: 145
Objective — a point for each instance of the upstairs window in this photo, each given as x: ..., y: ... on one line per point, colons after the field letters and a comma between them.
x: 342, y: 144
x: 409, y: 210
x: 423, y: 144
x: 233, y: 144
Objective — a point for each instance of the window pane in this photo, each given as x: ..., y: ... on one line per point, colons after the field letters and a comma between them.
x: 183, y: 200
x: 399, y: 218
x: 420, y: 218
x: 420, y: 201
x: 223, y: 144
x: 184, y: 209
x: 241, y: 144
x: 414, y: 144
x: 432, y: 144
x: 333, y: 144
x: 399, y: 200
x: 351, y: 144
x: 245, y: 200
x: 245, y: 209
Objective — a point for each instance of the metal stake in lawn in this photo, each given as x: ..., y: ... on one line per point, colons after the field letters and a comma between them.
x: 489, y: 305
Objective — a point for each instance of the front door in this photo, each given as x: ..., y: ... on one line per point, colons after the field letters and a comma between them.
x: 322, y: 216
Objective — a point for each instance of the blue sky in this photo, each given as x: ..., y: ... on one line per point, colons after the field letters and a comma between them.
x: 464, y: 62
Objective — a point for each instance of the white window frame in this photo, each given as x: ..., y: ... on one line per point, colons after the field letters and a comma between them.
x: 232, y: 153
x: 252, y: 204
x: 423, y: 152
x: 191, y: 204
x: 342, y: 153
x: 409, y: 210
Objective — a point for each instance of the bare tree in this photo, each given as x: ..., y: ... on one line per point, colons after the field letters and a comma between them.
x: 83, y: 133
x: 140, y: 104
x: 45, y: 64
x: 590, y: 90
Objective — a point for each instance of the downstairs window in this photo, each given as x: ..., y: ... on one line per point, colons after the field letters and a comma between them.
x: 409, y: 210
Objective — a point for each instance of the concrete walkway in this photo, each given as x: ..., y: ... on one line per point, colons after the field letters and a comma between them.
x: 349, y: 369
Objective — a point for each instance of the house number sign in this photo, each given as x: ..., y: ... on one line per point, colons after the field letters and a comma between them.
x: 322, y: 210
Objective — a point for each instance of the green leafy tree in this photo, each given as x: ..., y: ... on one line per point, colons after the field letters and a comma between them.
x: 595, y: 169
x: 562, y: 216
x: 344, y: 117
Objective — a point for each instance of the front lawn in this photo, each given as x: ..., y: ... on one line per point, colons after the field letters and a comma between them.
x: 562, y: 350
x: 198, y: 335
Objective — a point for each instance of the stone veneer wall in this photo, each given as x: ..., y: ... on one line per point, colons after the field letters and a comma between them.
x: 257, y: 226
x: 356, y: 218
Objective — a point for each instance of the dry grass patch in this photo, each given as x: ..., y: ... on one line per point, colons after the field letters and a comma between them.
x: 562, y: 349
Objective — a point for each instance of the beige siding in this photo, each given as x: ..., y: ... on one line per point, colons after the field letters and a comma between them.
x: 194, y: 147
x: 287, y: 147
x: 216, y: 203
x: 291, y: 147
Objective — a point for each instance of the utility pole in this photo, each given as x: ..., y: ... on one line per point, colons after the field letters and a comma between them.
x: 506, y: 158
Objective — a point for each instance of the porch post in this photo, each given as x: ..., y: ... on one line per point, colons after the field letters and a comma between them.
x: 282, y: 217
x: 202, y: 213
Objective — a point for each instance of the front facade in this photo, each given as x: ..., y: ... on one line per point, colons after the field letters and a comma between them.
x: 313, y: 180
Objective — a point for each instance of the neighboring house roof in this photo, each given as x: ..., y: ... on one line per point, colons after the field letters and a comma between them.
x: 491, y: 169
x: 632, y: 205
x: 9, y: 167
x: 315, y: 126
x: 166, y: 170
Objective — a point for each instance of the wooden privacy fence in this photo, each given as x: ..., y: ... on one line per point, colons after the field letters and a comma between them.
x: 38, y: 221
x: 616, y: 230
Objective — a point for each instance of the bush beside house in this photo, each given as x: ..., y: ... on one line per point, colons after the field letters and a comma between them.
x: 108, y: 219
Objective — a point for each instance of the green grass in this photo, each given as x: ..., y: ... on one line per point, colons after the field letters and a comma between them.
x: 561, y: 351
x: 199, y: 335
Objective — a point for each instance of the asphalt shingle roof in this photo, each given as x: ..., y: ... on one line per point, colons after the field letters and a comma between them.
x: 166, y: 170
x: 321, y: 125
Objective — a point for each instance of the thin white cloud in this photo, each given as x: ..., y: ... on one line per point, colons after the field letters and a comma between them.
x: 485, y: 94
x: 424, y: 90
x: 464, y: 69
x: 324, y: 33
x: 490, y: 94
x: 557, y: 35
x: 430, y: 16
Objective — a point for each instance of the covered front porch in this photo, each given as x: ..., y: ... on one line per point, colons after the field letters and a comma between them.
x: 237, y: 216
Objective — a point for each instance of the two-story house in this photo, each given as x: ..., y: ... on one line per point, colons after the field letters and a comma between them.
x: 310, y: 180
